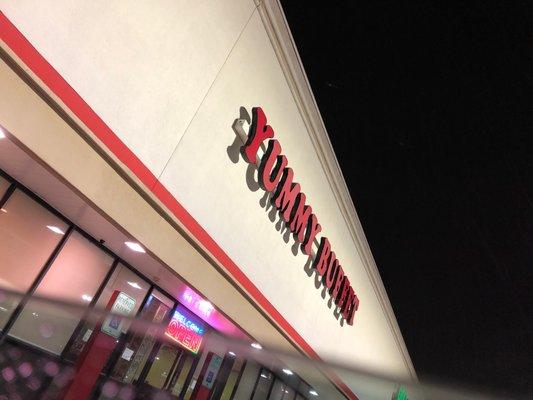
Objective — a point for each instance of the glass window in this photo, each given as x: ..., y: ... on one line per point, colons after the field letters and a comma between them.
x: 4, y: 185
x: 179, y: 379
x: 263, y: 385
x: 236, y: 369
x: 247, y: 381
x: 280, y: 391
x: 304, y: 388
x: 75, y: 276
x: 183, y: 337
x: 29, y: 233
x: 137, y: 350
x: 161, y: 369
x: 124, y: 280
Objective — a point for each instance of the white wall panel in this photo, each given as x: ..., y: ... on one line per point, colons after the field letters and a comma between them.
x: 143, y: 66
x: 208, y: 182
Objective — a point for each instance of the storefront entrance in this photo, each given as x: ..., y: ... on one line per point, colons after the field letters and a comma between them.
x: 153, y: 360
x: 167, y: 350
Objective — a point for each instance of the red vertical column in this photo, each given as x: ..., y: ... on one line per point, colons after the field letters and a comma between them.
x: 92, y: 360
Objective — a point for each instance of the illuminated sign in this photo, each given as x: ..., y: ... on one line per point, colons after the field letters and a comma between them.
x: 276, y: 177
x: 185, y: 331
x: 197, y: 303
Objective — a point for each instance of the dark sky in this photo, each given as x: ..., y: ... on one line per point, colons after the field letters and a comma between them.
x: 430, y: 111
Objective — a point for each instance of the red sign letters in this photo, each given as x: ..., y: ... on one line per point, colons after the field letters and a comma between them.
x: 277, y: 177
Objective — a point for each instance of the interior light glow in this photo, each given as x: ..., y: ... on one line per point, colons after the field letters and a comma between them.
x: 55, y: 229
x: 135, y: 247
x: 134, y: 285
x: 287, y: 371
x: 264, y: 376
x: 206, y: 307
x: 256, y: 346
x: 231, y: 353
x: 86, y: 298
x: 197, y: 304
x: 2, y: 134
x: 313, y: 392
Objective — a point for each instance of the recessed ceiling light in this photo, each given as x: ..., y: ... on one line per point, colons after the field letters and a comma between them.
x: 86, y: 297
x: 256, y: 346
x: 135, y: 285
x: 231, y: 353
x: 287, y: 371
x: 55, y: 229
x: 135, y: 247
x: 313, y: 392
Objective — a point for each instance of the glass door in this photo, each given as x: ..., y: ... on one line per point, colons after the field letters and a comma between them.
x: 182, y: 374
x: 169, y: 370
x: 136, y: 352
x: 172, y: 362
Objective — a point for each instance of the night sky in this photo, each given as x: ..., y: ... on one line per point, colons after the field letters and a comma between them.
x: 429, y: 108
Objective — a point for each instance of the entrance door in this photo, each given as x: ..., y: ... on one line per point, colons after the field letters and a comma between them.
x: 169, y: 371
x: 135, y: 352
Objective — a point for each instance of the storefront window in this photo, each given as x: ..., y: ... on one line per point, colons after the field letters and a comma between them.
x: 303, y: 388
x: 29, y: 233
x: 281, y: 391
x: 229, y: 375
x: 173, y: 362
x: 264, y: 382
x: 123, y: 280
x: 137, y: 350
x: 75, y: 276
x: 247, y: 381
x: 183, y: 369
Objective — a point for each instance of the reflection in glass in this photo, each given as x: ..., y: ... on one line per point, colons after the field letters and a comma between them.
x: 281, y: 391
x: 74, y: 276
x: 25, y: 245
x: 124, y: 280
x: 137, y: 350
x: 236, y: 365
x: 263, y: 385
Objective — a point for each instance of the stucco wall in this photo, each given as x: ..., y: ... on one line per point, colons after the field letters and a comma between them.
x: 170, y: 78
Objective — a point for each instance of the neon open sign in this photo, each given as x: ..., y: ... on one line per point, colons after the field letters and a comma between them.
x: 185, y: 331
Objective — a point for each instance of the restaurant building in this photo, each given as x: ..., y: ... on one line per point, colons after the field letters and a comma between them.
x: 168, y: 161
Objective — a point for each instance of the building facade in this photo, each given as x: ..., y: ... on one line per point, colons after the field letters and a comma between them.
x: 172, y: 153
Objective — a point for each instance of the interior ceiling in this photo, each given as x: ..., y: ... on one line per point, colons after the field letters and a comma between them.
x: 26, y: 170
